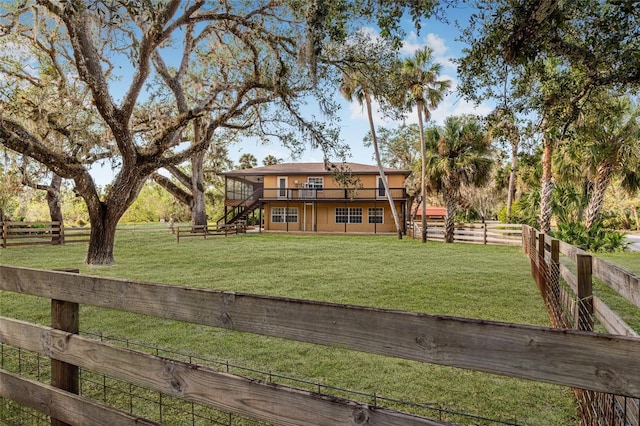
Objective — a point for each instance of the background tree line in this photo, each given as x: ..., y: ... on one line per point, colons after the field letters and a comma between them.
x: 151, y: 86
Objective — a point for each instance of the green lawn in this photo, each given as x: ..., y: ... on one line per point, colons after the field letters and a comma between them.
x: 487, y: 282
x: 629, y: 261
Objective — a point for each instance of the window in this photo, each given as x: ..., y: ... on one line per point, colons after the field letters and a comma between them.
x: 316, y: 182
x: 376, y: 215
x: 381, y: 193
x: 284, y: 215
x: 349, y: 215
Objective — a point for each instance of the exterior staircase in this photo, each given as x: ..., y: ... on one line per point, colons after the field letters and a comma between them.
x: 242, y: 211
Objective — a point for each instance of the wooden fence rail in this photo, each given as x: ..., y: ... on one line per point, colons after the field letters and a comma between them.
x: 205, y: 231
x: 37, y: 233
x: 473, y: 233
x: 564, y: 276
x: 602, y: 363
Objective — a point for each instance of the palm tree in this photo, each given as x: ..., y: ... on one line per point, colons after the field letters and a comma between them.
x: 612, y: 134
x: 247, y: 161
x: 425, y: 92
x: 271, y: 160
x: 356, y: 84
x: 457, y: 153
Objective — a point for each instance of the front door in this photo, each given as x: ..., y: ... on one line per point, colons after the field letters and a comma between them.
x: 308, y: 217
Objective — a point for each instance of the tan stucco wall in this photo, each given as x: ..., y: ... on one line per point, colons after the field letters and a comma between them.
x: 324, y: 216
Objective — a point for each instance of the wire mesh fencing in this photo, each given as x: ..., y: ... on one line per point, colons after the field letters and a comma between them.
x: 569, y: 310
x: 169, y: 410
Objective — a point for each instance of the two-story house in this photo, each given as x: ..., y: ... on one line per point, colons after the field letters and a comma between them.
x: 317, y: 197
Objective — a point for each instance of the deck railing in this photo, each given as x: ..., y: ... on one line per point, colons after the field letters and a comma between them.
x: 347, y: 194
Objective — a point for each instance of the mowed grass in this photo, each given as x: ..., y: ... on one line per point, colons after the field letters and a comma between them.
x: 486, y: 282
x: 629, y: 261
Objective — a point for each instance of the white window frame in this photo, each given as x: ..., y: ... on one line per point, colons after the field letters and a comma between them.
x: 314, y: 184
x: 375, y: 212
x: 284, y: 214
x: 350, y: 213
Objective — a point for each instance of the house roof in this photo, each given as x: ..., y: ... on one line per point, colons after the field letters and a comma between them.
x: 430, y: 210
x: 313, y: 168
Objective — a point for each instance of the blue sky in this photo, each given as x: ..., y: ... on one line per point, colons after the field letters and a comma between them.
x: 440, y: 36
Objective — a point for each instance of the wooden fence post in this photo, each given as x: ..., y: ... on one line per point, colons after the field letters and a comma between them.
x: 4, y: 234
x: 65, y: 317
x: 554, y: 269
x: 61, y: 234
x: 532, y: 253
x: 584, y: 310
x: 484, y: 229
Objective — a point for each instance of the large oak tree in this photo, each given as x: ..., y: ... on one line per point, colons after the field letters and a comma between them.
x: 117, y: 77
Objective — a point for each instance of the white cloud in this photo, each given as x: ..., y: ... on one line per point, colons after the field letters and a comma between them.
x: 411, y: 44
x: 436, y: 43
x: 440, y: 50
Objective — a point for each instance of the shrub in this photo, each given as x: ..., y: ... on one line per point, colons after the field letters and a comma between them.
x: 593, y: 239
x: 518, y: 215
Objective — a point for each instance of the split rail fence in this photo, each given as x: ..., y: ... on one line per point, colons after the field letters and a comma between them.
x: 472, y: 233
x: 36, y: 233
x: 205, y: 231
x: 564, y: 274
x: 580, y: 359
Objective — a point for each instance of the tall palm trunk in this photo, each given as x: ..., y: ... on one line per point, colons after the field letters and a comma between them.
x: 596, y: 200
x: 374, y: 141
x: 512, y: 177
x: 423, y: 174
x: 449, y: 219
x: 546, y: 186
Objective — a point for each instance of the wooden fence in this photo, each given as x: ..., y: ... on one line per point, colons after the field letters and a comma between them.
x: 473, y: 233
x: 35, y: 233
x: 564, y: 276
x: 205, y: 231
x: 585, y: 360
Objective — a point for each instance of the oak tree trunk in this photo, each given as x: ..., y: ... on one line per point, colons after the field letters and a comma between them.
x: 198, y: 207
x: 104, y: 215
x: 102, y: 239
x: 55, y: 207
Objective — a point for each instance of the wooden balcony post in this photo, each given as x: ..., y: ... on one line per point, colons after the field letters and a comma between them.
x: 65, y: 317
